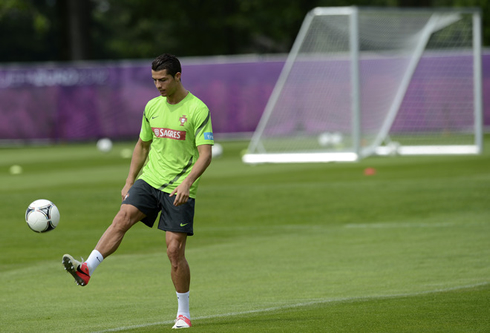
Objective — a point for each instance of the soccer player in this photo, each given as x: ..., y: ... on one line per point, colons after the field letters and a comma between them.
x: 177, y: 128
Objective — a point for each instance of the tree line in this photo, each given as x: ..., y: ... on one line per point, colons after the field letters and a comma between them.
x: 67, y: 30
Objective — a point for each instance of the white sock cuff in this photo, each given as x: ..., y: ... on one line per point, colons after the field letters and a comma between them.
x: 183, y: 299
x: 94, y: 259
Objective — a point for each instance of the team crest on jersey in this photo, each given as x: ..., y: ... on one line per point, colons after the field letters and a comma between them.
x: 182, y: 120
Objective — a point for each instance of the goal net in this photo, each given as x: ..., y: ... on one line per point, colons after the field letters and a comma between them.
x: 366, y: 81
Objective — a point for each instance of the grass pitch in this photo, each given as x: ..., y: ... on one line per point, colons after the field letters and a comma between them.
x: 278, y: 248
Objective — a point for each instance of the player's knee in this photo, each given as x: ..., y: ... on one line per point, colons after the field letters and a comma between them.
x: 122, y: 221
x: 172, y: 253
x: 175, y: 254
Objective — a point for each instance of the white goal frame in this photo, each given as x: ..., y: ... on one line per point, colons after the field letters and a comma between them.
x: 381, y: 143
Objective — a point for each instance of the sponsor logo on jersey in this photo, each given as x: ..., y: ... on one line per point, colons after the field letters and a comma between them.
x: 168, y: 133
x: 208, y: 136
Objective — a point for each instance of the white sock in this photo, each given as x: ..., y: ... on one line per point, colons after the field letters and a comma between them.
x: 94, y: 259
x: 183, y: 299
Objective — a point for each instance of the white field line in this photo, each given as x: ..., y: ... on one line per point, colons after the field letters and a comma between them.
x: 399, y: 225
x: 297, y: 305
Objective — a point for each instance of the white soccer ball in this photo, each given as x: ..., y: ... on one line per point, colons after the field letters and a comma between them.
x: 325, y: 139
x: 42, y: 216
x: 104, y: 145
x: 336, y: 138
x: 217, y: 150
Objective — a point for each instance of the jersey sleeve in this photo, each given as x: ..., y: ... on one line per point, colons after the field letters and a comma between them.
x: 146, y: 133
x: 204, y: 131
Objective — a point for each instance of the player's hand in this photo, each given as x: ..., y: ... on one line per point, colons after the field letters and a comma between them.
x: 181, y: 193
x: 125, y: 190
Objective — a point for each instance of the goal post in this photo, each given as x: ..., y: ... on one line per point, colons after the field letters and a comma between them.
x: 371, y: 81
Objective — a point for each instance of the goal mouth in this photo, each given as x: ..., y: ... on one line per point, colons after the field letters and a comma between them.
x: 358, y: 77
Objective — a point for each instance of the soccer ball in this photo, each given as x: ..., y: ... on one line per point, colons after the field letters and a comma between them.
x: 216, y: 150
x: 325, y: 139
x: 104, y: 145
x: 42, y: 216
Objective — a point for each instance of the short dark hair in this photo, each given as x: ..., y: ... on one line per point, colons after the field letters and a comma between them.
x: 168, y: 62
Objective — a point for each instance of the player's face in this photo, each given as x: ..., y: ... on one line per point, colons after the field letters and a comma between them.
x: 165, y: 83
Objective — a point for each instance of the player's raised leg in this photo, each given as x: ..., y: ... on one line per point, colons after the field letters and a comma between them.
x: 127, y: 216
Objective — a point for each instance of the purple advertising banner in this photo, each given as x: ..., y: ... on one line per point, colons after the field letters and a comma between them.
x: 87, y: 101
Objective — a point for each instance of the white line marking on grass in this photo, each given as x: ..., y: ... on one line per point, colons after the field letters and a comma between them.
x: 298, y: 305
x: 399, y: 225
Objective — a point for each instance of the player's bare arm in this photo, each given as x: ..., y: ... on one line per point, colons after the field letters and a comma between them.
x: 140, y: 153
x: 181, y: 192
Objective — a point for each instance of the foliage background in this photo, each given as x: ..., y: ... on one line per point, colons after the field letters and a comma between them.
x: 64, y: 30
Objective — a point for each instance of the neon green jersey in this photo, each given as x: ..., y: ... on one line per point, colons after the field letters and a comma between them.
x: 176, y: 131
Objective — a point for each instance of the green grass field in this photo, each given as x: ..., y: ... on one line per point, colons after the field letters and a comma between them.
x: 278, y: 248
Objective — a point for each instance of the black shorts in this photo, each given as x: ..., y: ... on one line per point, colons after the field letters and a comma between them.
x: 151, y: 201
